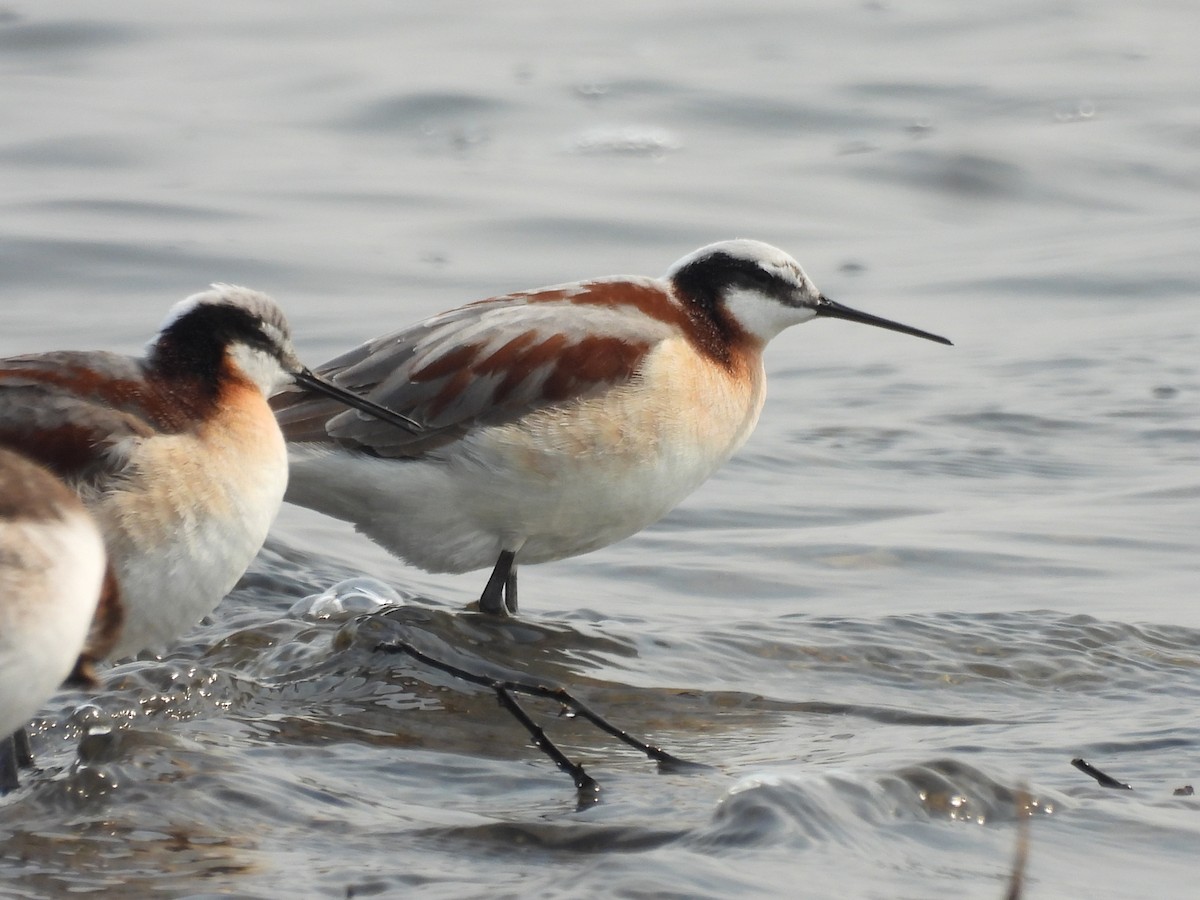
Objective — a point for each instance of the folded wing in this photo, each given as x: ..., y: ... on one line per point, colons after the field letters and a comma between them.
x: 54, y: 409
x: 487, y: 363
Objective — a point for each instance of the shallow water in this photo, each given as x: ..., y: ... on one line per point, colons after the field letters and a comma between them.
x: 932, y: 578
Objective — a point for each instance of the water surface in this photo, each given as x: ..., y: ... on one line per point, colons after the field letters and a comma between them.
x: 932, y: 578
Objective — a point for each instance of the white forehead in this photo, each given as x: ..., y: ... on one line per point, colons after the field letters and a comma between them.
x: 772, y: 259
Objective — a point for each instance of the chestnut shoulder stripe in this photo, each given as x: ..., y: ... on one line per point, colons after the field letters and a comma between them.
x: 68, y: 450
x: 73, y: 382
x: 592, y: 360
x: 711, y: 334
x: 529, y: 370
x: 115, y: 380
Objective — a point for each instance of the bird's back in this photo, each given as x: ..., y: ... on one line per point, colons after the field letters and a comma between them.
x: 487, y: 363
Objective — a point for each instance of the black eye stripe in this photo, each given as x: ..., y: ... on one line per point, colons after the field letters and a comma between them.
x: 706, y: 279
x: 759, y: 275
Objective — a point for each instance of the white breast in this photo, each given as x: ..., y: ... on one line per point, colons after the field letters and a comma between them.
x: 183, y: 533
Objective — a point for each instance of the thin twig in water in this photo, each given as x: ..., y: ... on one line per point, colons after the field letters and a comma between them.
x: 505, y: 690
x: 1016, y: 881
x: 1103, y: 779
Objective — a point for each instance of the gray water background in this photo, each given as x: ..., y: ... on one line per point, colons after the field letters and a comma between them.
x: 933, y: 576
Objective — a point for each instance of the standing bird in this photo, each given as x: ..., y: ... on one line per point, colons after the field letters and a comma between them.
x: 176, y: 454
x: 555, y: 421
x: 52, y: 571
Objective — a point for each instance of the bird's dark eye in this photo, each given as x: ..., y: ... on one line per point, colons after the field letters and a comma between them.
x: 761, y: 276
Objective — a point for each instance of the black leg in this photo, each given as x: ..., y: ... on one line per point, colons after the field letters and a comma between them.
x: 588, y: 789
x: 491, y: 601
x: 8, y: 765
x: 22, y: 749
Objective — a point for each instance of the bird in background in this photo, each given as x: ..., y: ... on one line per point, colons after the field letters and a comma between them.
x: 176, y: 454
x: 54, y: 582
x: 555, y: 421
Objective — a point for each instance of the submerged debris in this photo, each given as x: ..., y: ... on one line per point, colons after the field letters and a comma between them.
x: 1101, y: 778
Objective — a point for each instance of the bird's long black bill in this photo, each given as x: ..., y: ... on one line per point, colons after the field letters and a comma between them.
x: 836, y: 310
x: 310, y: 380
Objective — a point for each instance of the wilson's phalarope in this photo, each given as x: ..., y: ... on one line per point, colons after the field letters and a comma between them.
x: 555, y: 421
x: 175, y: 454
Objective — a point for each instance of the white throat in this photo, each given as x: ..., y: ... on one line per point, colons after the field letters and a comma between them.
x: 764, y: 317
x: 260, y: 367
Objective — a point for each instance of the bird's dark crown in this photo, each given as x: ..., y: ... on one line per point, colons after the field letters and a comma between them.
x: 197, y: 337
